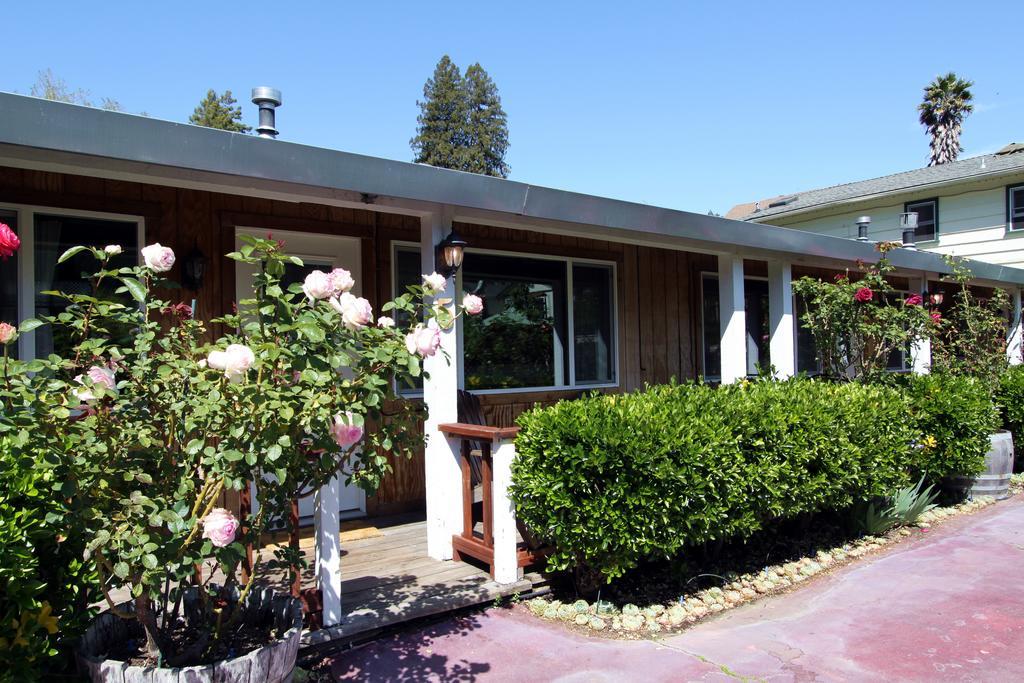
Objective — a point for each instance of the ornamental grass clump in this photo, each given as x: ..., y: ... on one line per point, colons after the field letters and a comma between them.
x: 859, y: 322
x: 137, y: 431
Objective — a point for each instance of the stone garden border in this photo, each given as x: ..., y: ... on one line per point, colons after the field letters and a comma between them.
x: 634, y: 621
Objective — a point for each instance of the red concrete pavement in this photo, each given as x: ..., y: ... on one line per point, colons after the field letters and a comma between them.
x: 944, y: 605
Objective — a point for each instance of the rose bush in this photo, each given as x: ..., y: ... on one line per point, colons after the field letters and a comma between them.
x: 139, y: 440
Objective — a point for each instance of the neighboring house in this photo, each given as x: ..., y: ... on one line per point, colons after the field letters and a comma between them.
x: 586, y: 293
x: 972, y: 207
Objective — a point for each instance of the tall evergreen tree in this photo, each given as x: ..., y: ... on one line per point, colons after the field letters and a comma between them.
x: 441, y: 131
x: 461, y: 124
x: 947, y: 102
x: 219, y: 111
x: 487, y: 125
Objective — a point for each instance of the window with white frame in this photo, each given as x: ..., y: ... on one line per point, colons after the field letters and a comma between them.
x: 547, y: 322
x: 1015, y: 207
x: 927, y: 218
x: 46, y: 234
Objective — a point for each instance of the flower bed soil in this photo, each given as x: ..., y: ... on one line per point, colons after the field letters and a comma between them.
x: 672, y: 595
x: 236, y: 643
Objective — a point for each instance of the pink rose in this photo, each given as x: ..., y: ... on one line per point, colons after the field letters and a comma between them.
x: 473, y: 304
x: 9, y: 241
x: 434, y: 283
x: 220, y: 527
x: 936, y: 317
x: 356, y: 312
x: 341, y: 281
x: 863, y: 295
x: 345, y: 431
x: 914, y: 300
x: 385, y: 322
x: 158, y: 258
x: 99, y: 377
x: 8, y: 333
x: 424, y: 340
x: 235, y: 361
x: 317, y: 285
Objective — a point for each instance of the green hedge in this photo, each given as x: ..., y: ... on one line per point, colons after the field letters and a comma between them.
x: 1011, y: 401
x: 612, y: 480
x: 955, y: 416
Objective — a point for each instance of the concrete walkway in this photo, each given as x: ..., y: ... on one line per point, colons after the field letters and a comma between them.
x: 944, y: 605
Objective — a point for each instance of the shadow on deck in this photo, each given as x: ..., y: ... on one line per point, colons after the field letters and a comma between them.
x: 387, y: 578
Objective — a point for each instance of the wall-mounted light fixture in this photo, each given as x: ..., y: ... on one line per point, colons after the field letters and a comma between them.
x: 908, y: 223
x: 449, y: 253
x: 862, y: 228
x: 934, y: 298
x: 193, y: 269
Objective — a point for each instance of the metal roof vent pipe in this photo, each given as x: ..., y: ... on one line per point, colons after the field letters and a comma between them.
x: 908, y: 222
x: 862, y: 228
x: 268, y: 100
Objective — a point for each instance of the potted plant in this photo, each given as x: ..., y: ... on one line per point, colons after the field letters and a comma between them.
x: 144, y: 427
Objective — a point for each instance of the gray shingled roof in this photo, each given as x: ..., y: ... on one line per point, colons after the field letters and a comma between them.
x: 1008, y: 160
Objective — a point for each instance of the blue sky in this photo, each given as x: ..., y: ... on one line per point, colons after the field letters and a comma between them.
x: 686, y: 105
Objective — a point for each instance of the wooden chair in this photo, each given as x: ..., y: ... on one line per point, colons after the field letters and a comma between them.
x: 471, y: 412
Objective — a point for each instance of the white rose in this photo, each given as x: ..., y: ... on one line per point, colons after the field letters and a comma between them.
x: 385, y: 322
x: 356, y: 312
x: 341, y: 281
x: 434, y: 283
x: 113, y: 249
x: 235, y: 361
x: 158, y: 258
x: 317, y: 285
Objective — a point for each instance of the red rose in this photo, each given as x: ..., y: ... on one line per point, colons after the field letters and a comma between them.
x: 9, y: 241
x: 914, y: 300
x: 864, y: 294
x: 936, y: 316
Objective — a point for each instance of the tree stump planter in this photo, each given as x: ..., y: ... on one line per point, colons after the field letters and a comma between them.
x: 995, y: 478
x: 273, y: 663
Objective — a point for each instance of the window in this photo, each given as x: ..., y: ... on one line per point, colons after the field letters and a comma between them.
x: 45, y: 235
x: 927, y: 219
x: 755, y: 294
x: 1015, y: 207
x: 547, y: 322
x: 806, y: 352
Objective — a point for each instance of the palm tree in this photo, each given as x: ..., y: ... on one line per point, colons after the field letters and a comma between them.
x: 947, y: 102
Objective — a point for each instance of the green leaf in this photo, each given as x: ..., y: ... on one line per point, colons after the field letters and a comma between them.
x: 121, y: 570
x: 29, y: 324
x: 135, y: 288
x: 70, y: 252
x: 149, y: 561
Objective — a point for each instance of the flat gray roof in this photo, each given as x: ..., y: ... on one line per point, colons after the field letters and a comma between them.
x: 39, y: 124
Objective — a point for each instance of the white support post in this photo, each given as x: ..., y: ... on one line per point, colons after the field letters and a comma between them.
x: 1015, y: 333
x: 327, y: 503
x: 920, y: 350
x: 733, y: 316
x: 443, y: 475
x: 782, y: 344
x: 506, y: 566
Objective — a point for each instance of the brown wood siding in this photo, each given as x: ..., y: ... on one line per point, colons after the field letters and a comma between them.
x: 658, y: 290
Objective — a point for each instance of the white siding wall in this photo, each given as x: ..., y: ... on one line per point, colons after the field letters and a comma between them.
x: 972, y: 223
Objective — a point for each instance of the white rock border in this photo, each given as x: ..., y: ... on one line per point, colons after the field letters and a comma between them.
x: 632, y: 621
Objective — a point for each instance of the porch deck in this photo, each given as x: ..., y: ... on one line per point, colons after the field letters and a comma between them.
x: 387, y: 578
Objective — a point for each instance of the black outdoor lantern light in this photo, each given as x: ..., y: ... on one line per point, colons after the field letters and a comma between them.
x: 935, y: 298
x: 448, y: 256
x: 193, y: 269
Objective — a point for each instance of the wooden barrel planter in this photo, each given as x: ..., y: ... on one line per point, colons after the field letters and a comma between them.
x: 995, y: 478
x: 274, y: 663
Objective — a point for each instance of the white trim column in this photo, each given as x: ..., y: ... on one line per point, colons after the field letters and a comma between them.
x: 782, y: 343
x: 920, y: 350
x: 1015, y: 333
x: 506, y: 565
x: 327, y: 502
x: 733, y: 317
x: 443, y: 475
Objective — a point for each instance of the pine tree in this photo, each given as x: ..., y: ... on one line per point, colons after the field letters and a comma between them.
x: 219, y: 112
x: 461, y: 124
x: 487, y: 125
x: 947, y: 102
x: 441, y: 131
